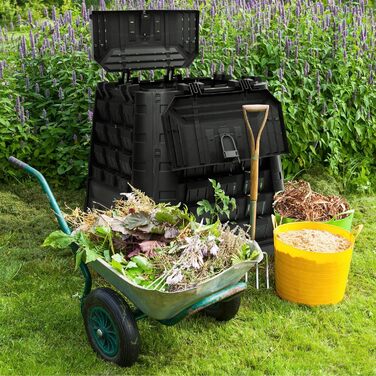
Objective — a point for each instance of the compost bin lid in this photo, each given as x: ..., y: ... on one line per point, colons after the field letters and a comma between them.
x: 209, y: 129
x: 144, y: 39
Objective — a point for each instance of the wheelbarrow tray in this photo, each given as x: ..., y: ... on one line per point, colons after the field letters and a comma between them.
x: 161, y: 305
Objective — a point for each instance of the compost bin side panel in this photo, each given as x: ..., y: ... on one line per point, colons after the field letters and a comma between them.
x: 151, y: 167
x: 110, y: 163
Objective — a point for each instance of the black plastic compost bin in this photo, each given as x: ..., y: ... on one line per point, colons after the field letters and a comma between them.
x: 167, y: 137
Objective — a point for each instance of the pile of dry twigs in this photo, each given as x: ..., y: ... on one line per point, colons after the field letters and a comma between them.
x: 298, y: 201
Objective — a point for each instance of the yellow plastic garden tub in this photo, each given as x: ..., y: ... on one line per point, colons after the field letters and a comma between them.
x: 308, y: 277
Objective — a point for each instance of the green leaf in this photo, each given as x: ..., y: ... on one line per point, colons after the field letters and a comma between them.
x: 106, y: 254
x: 116, y: 262
x: 90, y: 255
x: 102, y: 230
x: 142, y: 262
x: 132, y: 221
x: 131, y: 265
x: 58, y: 239
x: 164, y: 216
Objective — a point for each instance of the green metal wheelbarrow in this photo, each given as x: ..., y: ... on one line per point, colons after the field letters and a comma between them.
x: 110, y: 323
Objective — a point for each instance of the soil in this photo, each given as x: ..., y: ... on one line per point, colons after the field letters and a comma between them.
x: 315, y: 241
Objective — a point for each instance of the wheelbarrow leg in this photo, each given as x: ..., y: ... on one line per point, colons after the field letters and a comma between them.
x: 59, y: 216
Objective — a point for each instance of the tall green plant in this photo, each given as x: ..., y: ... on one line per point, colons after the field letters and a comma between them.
x: 318, y: 59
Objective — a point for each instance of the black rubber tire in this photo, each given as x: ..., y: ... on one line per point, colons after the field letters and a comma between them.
x: 128, y: 337
x: 224, y: 311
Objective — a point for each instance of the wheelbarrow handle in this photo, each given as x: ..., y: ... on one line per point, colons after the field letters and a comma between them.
x: 16, y: 162
x: 58, y: 214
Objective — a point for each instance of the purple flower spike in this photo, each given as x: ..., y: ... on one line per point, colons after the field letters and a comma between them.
x: 231, y: 70
x: 61, y: 93
x: 90, y: 115
x: 37, y: 88
x: 29, y: 16
x: 212, y: 69
x: 306, y: 68
x: 53, y: 13
x: 23, y: 50
x: 22, y: 115
x: 102, y: 5
x: 74, y: 78
x: 329, y: 75
x: 318, y: 85
x: 18, y: 106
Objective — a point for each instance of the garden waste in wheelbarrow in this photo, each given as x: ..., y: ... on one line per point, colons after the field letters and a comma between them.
x: 111, y: 324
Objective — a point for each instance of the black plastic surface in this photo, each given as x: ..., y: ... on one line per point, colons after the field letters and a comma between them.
x: 129, y: 145
x: 196, y: 125
x: 150, y: 39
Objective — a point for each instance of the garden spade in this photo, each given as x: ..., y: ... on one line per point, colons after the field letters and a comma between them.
x: 255, y: 150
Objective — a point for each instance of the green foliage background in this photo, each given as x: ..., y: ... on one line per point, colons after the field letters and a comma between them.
x: 319, y: 60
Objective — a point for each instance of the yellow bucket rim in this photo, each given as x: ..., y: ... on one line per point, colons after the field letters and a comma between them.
x: 280, y: 246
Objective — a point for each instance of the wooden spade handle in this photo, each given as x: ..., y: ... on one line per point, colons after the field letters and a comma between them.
x: 255, y: 150
x: 256, y: 107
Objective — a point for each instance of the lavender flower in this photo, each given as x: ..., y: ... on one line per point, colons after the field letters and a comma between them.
x: 23, y: 49
x: 18, y: 106
x: 29, y: 16
x: 318, y: 85
x: 102, y: 4
x: 306, y: 68
x: 61, y: 93
x: 212, y: 69
x: 329, y: 75
x: 280, y: 73
x: 22, y: 115
x: 37, y: 88
x: 90, y: 115
x: 231, y: 70
x: 74, y: 78
x: 53, y: 13
x: 175, y: 277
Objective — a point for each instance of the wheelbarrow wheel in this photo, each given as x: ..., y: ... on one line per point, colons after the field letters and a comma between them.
x: 225, y: 310
x: 111, y: 328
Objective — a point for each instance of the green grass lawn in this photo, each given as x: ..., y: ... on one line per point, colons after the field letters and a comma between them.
x: 42, y: 332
